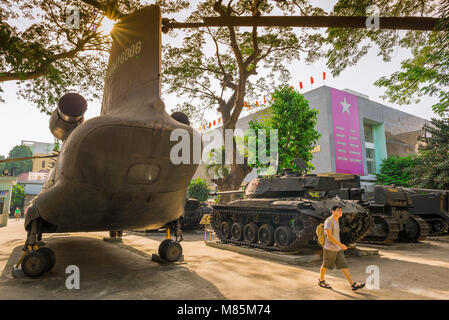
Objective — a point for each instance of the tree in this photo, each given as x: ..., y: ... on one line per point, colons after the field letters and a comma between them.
x: 198, y: 189
x: 224, y: 78
x: 396, y: 170
x: 2, y: 165
x: 295, y: 123
x: 56, y: 146
x: 18, y: 196
x: 54, y: 54
x: 216, y: 166
x: 19, y: 167
x: 423, y: 74
x: 432, y: 164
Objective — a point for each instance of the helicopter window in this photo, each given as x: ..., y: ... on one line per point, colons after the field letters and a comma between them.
x: 143, y: 173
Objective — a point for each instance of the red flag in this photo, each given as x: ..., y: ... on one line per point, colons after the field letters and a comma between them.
x: 311, y: 80
x: 214, y: 122
x: 210, y: 125
x: 324, y: 75
x: 257, y: 103
x: 219, y: 120
x: 264, y: 100
x: 204, y: 127
x: 300, y: 85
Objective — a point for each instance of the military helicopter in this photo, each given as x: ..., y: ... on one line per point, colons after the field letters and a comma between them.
x: 114, y: 171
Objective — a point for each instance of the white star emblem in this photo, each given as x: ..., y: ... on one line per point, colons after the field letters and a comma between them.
x: 345, y: 106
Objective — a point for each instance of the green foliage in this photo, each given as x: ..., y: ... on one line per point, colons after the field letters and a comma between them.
x: 215, y: 164
x: 210, y: 79
x: 295, y: 123
x: 198, y: 189
x: 432, y: 164
x: 425, y: 74
x: 56, y: 146
x: 396, y: 170
x: 18, y: 195
x: 2, y: 165
x: 48, y: 58
x: 19, y: 151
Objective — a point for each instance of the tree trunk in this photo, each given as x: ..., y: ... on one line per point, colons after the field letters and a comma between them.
x: 233, y: 181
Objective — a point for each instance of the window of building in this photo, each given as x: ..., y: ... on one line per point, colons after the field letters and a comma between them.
x: 369, y: 147
x: 43, y: 164
x: 368, y: 130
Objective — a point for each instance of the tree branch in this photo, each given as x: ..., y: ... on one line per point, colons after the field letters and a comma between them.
x: 43, y: 68
x: 109, y: 10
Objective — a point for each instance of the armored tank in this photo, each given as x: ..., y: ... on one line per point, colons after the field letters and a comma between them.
x: 193, y: 213
x: 392, y: 218
x: 392, y: 208
x: 433, y: 207
x: 281, y: 213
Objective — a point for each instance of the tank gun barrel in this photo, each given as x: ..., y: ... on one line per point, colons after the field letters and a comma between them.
x: 421, y: 189
x: 227, y: 192
x: 429, y: 190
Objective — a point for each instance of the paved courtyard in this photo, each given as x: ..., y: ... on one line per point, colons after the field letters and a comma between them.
x: 126, y: 271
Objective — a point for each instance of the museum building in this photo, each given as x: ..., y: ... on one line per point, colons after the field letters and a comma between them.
x: 356, y: 133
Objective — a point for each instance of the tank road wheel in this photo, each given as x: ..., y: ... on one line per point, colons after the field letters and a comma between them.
x: 51, y: 258
x: 265, y: 234
x: 237, y: 231
x: 250, y: 232
x: 216, y: 218
x: 170, y: 250
x: 225, y: 229
x: 439, y: 227
x: 35, y: 263
x: 283, y: 236
x: 411, y: 231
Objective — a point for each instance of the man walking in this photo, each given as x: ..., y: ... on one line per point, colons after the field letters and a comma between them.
x: 333, y: 251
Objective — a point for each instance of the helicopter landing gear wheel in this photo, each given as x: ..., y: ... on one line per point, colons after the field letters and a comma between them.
x: 51, y: 257
x: 170, y: 250
x: 36, y: 263
x: 115, y: 234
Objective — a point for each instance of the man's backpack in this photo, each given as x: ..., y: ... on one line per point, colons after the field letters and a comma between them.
x: 320, y: 234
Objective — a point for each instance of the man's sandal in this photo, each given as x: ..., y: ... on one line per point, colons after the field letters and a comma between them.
x: 356, y: 286
x: 323, y: 284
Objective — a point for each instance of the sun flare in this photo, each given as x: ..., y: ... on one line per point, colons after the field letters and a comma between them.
x: 106, y: 25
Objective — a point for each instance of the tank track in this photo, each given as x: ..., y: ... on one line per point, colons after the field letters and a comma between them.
x: 392, y: 235
x: 424, y: 228
x: 433, y: 231
x: 302, y: 236
x: 305, y: 234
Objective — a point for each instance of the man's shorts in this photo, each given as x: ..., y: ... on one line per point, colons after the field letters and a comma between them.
x: 334, y: 258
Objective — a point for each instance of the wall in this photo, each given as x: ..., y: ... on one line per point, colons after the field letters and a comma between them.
x: 37, y: 163
x: 6, y: 184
